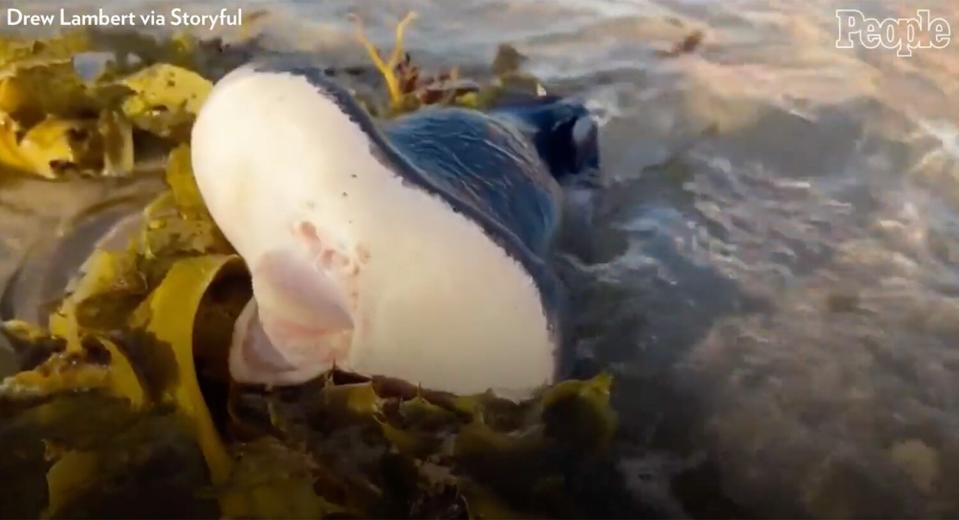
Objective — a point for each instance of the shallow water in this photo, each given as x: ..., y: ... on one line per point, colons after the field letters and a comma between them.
x: 772, y: 275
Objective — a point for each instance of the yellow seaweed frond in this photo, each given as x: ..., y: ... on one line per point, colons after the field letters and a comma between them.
x: 388, y: 68
x: 165, y: 99
x: 169, y: 316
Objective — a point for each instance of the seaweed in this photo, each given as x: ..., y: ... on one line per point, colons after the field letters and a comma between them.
x: 123, y: 405
x: 408, y: 89
x: 380, y: 452
x: 54, y: 123
x: 165, y: 99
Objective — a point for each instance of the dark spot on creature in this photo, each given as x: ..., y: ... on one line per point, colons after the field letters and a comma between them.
x: 344, y: 193
x: 170, y: 83
x: 353, y: 175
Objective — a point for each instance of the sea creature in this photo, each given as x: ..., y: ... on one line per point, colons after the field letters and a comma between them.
x: 415, y: 248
